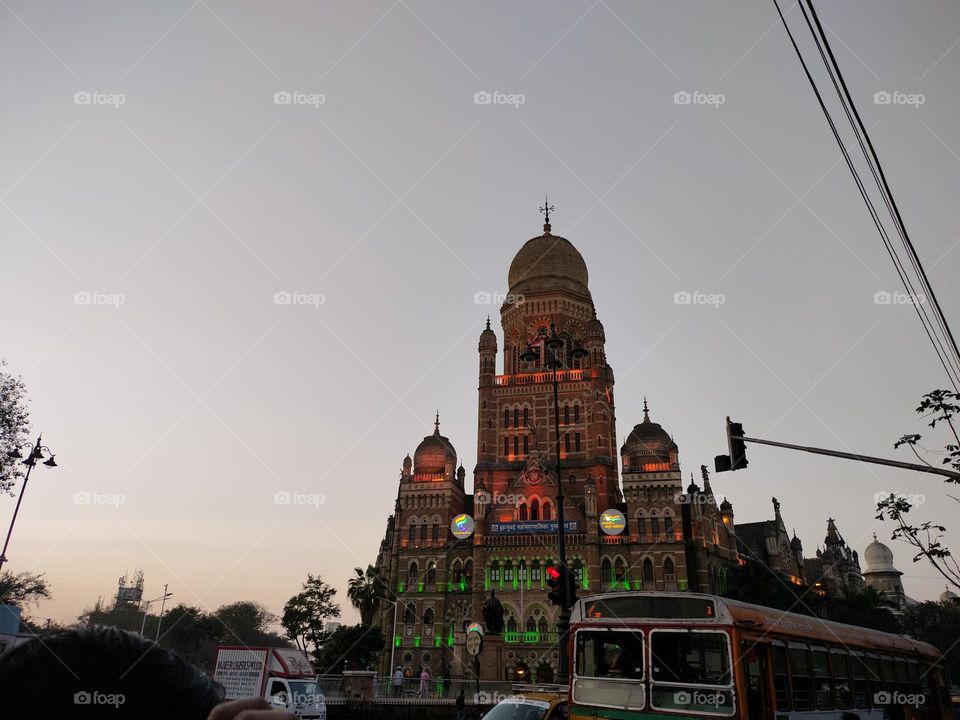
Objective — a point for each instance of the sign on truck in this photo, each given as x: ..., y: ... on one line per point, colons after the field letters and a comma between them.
x: 283, y: 676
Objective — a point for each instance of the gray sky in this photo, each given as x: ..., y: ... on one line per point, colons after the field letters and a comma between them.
x: 182, y: 189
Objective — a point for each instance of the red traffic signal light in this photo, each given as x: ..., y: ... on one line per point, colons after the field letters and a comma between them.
x: 552, y: 573
x: 555, y: 578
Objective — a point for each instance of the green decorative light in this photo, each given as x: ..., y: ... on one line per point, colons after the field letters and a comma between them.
x: 437, y: 642
x: 400, y: 586
x: 416, y: 641
x: 419, y: 587
x: 397, y: 640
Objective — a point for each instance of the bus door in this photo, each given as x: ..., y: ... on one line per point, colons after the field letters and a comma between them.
x: 757, y: 694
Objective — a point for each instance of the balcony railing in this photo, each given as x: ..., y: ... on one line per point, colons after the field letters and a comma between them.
x: 537, y: 378
x: 546, y: 541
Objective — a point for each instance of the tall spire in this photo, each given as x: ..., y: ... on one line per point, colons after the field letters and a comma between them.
x: 547, y: 207
x: 646, y: 410
x: 488, y: 322
x: 436, y: 424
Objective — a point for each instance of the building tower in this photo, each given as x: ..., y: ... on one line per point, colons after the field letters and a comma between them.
x: 882, y: 576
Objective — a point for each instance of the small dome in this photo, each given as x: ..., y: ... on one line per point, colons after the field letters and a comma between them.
x: 648, y: 442
x: 726, y: 508
x: 488, y: 338
x: 795, y: 543
x: 548, y: 263
x: 878, y: 557
x: 948, y: 596
x: 594, y: 328
x: 435, y: 454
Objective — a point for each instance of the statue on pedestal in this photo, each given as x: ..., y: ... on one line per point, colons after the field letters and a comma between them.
x: 493, y: 614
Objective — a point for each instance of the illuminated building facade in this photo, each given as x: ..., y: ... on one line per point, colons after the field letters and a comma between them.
x: 671, y: 539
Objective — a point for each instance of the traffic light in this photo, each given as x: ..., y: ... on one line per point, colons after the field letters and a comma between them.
x: 555, y: 576
x: 737, y: 459
x: 571, y: 585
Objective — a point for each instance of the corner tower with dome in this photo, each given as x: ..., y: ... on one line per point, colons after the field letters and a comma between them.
x: 673, y: 539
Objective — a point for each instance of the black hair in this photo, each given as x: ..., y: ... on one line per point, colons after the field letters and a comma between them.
x: 102, y: 672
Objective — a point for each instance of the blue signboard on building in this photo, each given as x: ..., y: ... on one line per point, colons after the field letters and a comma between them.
x: 533, y: 527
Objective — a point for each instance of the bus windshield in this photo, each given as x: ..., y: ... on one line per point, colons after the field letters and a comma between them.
x: 690, y: 670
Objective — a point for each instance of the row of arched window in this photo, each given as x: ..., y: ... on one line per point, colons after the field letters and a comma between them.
x: 535, y: 511
x: 461, y: 573
x: 614, y: 574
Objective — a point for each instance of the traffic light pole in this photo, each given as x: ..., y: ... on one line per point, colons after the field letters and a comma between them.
x: 853, y: 456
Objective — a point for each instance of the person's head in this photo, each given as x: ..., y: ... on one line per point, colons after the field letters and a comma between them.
x: 102, y: 672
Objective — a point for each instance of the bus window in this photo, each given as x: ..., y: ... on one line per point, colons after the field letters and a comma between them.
x: 781, y: 677
x: 800, y: 676
x: 859, y: 672
x: 913, y: 676
x: 608, y: 669
x: 874, y: 676
x: 690, y: 670
x: 823, y: 683
x: 925, y: 671
x: 889, y: 674
x: 840, y: 662
x: 903, y: 684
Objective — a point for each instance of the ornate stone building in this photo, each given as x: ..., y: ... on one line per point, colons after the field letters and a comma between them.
x: 835, y: 571
x: 768, y: 543
x: 882, y: 576
x: 672, y: 540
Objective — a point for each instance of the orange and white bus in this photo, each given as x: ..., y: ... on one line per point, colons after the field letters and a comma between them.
x: 642, y: 654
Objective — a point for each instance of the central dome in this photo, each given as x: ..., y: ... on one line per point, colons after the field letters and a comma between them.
x: 548, y: 263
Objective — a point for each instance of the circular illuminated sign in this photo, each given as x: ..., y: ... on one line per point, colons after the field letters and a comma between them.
x: 612, y: 522
x: 462, y: 526
x: 475, y: 628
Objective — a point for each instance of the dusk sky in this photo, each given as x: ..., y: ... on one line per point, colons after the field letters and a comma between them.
x: 166, y: 169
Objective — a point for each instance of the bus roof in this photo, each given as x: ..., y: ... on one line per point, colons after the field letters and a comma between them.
x: 642, y: 606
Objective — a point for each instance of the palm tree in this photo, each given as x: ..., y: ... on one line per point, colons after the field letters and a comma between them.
x: 365, y: 591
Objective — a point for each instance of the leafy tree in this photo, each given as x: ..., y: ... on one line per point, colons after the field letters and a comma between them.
x: 755, y: 583
x: 352, y: 646
x: 23, y: 590
x: 14, y: 426
x: 192, y: 634
x: 366, y: 591
x: 247, y: 623
x: 306, y: 612
x: 940, y: 407
x: 937, y: 623
x: 865, y: 609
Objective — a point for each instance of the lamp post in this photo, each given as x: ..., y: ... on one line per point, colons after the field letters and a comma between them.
x: 163, y: 602
x: 146, y: 608
x: 36, y: 453
x: 554, y: 361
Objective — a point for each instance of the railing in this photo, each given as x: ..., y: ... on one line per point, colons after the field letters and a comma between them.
x: 537, y: 378
x: 546, y: 540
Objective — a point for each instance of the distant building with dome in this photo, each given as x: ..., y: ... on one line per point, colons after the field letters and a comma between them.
x: 882, y: 576
x: 674, y: 538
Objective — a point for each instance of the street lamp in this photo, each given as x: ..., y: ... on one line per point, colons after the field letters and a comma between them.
x: 36, y: 454
x: 554, y: 361
x: 146, y: 608
x: 163, y: 602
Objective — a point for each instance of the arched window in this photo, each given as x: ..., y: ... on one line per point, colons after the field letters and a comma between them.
x: 535, y: 571
x: 655, y: 527
x: 508, y: 571
x: 606, y: 570
x: 647, y: 571
x: 523, y: 511
x: 410, y: 614
x: 668, y: 574
x: 495, y: 571
x: 431, y: 573
x: 522, y: 570
x: 641, y: 525
x: 412, y: 533
x: 566, y: 414
x: 457, y: 572
x: 428, y: 616
x: 576, y: 413
x: 468, y: 573
x: 535, y: 510
x: 546, y: 511
x: 620, y: 571
x: 511, y: 624
x: 423, y: 532
x: 668, y: 526
x: 542, y: 627
x: 506, y: 418
x: 516, y: 417
x: 577, y: 568
x: 531, y: 624
x: 526, y: 417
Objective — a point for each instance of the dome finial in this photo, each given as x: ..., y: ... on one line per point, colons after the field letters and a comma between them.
x: 436, y: 424
x: 488, y: 322
x: 646, y: 410
x: 547, y: 207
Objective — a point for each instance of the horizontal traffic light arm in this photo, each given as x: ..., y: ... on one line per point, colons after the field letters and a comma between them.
x: 852, y: 456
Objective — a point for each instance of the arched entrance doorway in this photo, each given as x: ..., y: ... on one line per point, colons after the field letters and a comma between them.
x: 521, y: 673
x: 544, y: 673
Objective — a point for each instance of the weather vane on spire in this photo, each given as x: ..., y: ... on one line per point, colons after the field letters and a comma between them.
x: 546, y: 209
